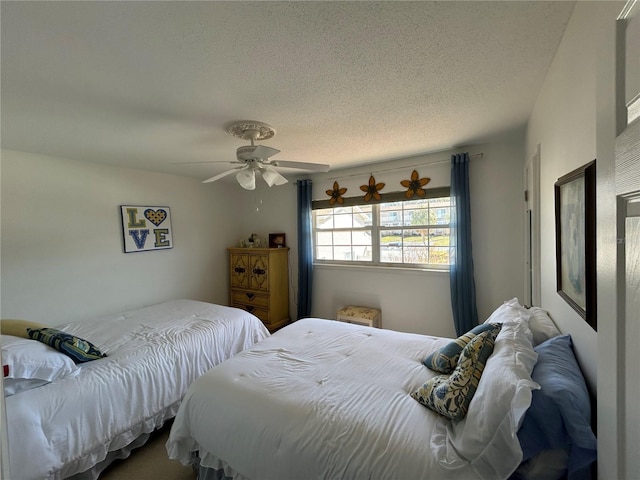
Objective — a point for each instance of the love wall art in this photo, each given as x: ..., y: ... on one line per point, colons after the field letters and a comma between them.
x: 146, y: 228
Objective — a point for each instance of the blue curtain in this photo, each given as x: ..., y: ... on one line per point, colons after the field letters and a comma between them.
x: 305, y: 249
x: 463, y: 289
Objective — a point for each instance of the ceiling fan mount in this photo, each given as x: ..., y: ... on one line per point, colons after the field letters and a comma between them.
x: 251, y: 130
x: 246, y: 152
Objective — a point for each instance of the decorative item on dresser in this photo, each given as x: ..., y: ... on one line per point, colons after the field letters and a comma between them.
x: 277, y: 240
x: 259, y: 279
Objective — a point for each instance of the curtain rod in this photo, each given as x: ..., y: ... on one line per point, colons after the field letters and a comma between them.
x: 436, y: 162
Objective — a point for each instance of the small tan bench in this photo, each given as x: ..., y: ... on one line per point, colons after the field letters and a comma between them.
x: 368, y: 316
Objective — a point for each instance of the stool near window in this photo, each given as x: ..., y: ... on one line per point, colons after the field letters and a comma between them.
x: 367, y: 316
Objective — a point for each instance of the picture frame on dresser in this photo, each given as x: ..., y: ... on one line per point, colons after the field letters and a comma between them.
x: 277, y: 240
x: 575, y: 222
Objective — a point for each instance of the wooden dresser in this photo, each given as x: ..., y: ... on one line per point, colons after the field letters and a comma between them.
x: 259, y: 279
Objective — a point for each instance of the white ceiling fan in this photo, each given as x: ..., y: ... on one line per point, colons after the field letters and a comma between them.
x: 257, y: 158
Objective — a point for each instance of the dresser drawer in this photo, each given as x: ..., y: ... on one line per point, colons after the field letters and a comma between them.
x: 261, y: 313
x: 259, y: 284
x: 249, y: 298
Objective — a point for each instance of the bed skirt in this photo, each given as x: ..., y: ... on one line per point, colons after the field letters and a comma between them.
x: 206, y: 473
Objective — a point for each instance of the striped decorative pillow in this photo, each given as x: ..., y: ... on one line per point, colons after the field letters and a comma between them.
x: 78, y: 349
x: 450, y: 395
x: 445, y: 359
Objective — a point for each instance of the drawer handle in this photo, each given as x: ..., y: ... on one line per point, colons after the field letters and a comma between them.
x: 239, y: 270
x: 250, y: 309
x: 259, y: 271
x: 250, y: 295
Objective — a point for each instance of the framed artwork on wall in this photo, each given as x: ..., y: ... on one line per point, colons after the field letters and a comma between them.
x: 146, y: 228
x: 575, y: 218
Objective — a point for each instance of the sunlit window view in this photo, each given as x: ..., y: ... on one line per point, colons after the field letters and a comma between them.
x: 414, y: 232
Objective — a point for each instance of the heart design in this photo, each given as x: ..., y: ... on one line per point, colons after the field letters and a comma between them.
x: 155, y: 216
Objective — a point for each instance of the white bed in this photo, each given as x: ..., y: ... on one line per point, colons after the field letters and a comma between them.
x: 71, y: 425
x: 324, y: 399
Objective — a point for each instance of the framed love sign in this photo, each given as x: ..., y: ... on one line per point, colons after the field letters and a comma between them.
x: 146, y: 228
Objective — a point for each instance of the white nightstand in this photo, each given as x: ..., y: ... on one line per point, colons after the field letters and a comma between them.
x: 368, y: 316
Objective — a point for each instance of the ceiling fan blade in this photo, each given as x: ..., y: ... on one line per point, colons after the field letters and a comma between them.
x: 315, y: 167
x: 272, y: 177
x: 223, y: 174
x: 205, y: 163
x: 263, y: 152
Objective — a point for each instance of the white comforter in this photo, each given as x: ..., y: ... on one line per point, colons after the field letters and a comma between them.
x: 318, y: 400
x: 154, y: 354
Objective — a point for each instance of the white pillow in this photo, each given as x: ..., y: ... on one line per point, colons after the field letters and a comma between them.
x: 541, y: 325
x: 17, y: 385
x: 509, y: 311
x: 29, y: 364
x: 486, y: 439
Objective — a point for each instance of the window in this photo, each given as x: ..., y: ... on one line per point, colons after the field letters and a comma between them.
x: 406, y: 233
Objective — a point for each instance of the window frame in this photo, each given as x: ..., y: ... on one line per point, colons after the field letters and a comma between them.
x: 376, y: 229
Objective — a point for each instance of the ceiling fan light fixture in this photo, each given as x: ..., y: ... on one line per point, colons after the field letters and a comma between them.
x: 272, y: 177
x: 247, y: 179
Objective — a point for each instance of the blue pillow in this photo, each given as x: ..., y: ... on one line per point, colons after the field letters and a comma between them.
x: 560, y: 412
x: 445, y: 359
x: 78, y: 349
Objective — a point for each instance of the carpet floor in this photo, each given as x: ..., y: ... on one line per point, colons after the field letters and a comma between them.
x: 149, y: 462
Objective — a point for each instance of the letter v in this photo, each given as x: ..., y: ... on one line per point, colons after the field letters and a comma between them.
x: 139, y: 237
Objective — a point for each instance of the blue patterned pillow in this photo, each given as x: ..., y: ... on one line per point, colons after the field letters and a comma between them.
x: 446, y: 359
x: 450, y: 395
x: 78, y: 349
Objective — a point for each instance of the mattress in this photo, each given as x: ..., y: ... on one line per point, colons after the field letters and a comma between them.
x: 154, y: 354
x: 321, y: 399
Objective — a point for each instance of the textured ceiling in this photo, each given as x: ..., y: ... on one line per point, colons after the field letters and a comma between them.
x: 149, y: 84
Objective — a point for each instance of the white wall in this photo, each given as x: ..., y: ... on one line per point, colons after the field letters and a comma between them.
x: 272, y: 210
x: 62, y: 257
x: 563, y: 123
x: 411, y: 301
x: 497, y: 206
x: 573, y: 122
x: 416, y: 301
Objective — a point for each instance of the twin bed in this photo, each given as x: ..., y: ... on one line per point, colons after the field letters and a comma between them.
x: 95, y: 412
x: 318, y: 399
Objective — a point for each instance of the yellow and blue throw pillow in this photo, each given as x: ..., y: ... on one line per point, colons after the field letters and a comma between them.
x: 78, y: 349
x: 445, y: 359
x: 450, y: 395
